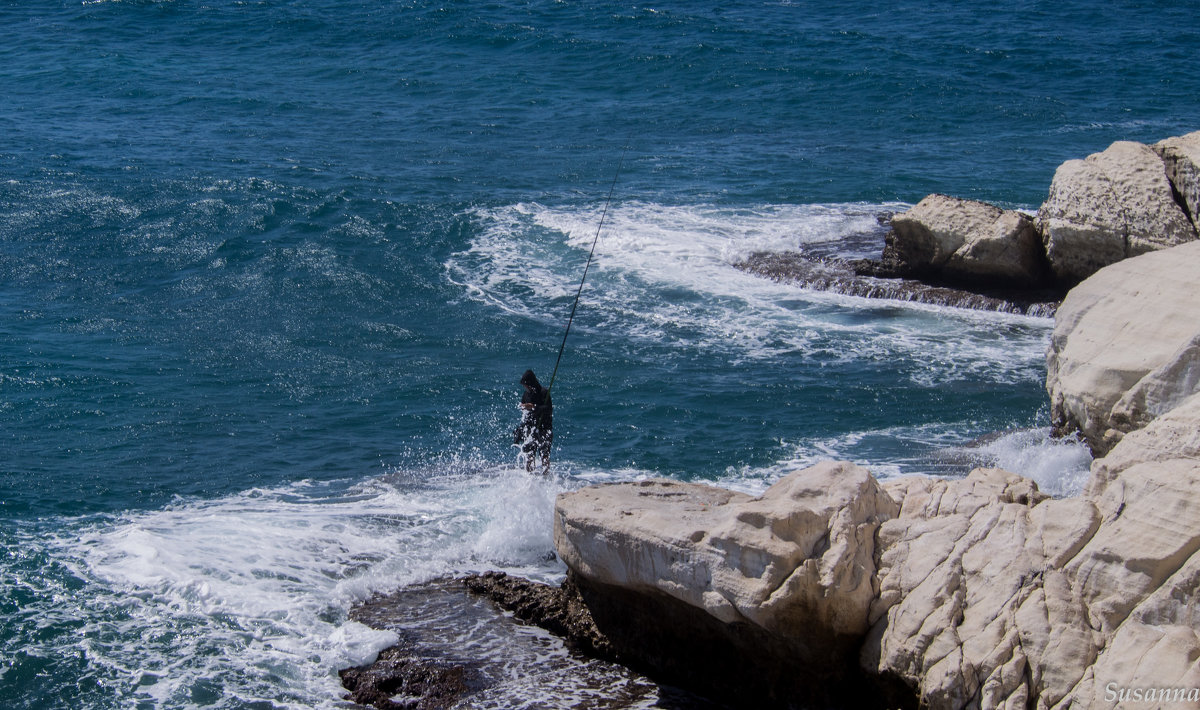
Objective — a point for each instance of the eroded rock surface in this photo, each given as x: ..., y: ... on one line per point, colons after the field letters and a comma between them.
x: 1126, y: 346
x: 753, y: 598
x: 967, y: 241
x: 980, y: 592
x: 1181, y: 158
x: 1110, y: 206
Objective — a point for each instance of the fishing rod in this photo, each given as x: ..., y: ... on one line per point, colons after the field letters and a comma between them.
x: 587, y: 266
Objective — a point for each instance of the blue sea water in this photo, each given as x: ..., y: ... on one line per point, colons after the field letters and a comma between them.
x: 270, y: 271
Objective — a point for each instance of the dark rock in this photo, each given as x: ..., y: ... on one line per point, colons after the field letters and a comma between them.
x: 738, y: 663
x: 459, y: 648
x: 559, y: 610
x: 399, y: 680
x: 879, y: 279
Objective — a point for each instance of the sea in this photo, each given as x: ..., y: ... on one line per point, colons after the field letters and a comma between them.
x: 271, y: 270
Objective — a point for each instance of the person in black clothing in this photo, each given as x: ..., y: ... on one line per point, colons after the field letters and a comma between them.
x: 536, y: 431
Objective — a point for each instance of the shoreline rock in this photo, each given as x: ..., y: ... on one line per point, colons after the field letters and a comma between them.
x: 967, y: 242
x: 559, y: 610
x: 1110, y: 206
x: 1127, y: 200
x: 461, y: 645
x: 980, y: 591
x: 1126, y: 346
x: 871, y: 279
x: 754, y: 600
x: 428, y: 684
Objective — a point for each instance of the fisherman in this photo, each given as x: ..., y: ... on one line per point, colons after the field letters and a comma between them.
x: 536, y: 430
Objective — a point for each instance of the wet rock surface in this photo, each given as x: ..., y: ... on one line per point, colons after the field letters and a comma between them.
x: 869, y: 278
x: 400, y: 679
x: 497, y: 641
x: 560, y: 610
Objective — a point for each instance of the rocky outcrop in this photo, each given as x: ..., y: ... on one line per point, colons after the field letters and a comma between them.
x: 761, y: 599
x: 1128, y: 200
x: 982, y: 592
x: 1181, y: 158
x: 978, y: 592
x: 456, y: 649
x: 1126, y: 346
x: 964, y: 613
x: 1137, y: 577
x: 966, y: 241
x: 558, y: 609
x: 1108, y: 207
x: 869, y: 279
x: 428, y: 684
x: 800, y: 553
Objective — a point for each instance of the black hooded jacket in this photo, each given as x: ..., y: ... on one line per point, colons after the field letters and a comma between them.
x: 541, y: 417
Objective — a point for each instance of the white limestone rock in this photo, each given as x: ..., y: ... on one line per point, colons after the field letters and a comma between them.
x: 1108, y: 207
x: 992, y: 597
x: 1139, y: 575
x: 1181, y: 157
x: 958, y: 566
x: 798, y: 558
x: 1126, y: 345
x: 978, y: 592
x: 967, y: 240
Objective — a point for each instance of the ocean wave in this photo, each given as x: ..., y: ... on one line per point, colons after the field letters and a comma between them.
x: 244, y: 598
x: 665, y: 274
x: 1060, y: 466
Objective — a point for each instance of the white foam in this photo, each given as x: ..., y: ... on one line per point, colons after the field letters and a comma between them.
x: 246, y: 597
x: 666, y: 274
x: 1061, y: 466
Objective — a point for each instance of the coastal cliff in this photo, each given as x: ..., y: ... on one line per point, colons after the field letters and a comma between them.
x: 977, y: 592
x: 836, y: 589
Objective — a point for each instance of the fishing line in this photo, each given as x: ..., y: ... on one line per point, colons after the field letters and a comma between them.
x: 587, y: 266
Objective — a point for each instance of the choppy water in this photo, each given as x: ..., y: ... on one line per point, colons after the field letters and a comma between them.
x: 270, y: 271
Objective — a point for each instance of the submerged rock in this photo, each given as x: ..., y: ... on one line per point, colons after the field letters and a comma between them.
x: 400, y: 680
x: 458, y: 650
x: 560, y: 609
x: 870, y: 279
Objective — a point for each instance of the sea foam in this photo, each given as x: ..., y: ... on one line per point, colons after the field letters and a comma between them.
x: 246, y: 597
x: 665, y: 274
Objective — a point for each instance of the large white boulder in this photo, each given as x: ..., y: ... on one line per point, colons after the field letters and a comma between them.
x: 968, y: 241
x: 1108, y: 207
x: 1126, y: 345
x: 798, y: 559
